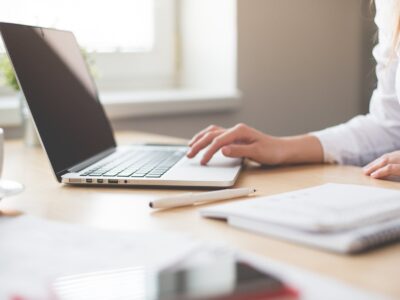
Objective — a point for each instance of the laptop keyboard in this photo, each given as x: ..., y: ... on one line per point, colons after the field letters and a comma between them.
x: 139, y: 164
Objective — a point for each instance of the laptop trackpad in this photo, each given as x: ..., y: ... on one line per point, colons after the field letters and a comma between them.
x: 220, y: 168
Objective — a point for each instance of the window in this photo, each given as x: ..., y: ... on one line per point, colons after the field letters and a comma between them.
x: 132, y: 42
x: 152, y: 57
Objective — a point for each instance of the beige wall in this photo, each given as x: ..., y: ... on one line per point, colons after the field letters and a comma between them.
x: 303, y: 65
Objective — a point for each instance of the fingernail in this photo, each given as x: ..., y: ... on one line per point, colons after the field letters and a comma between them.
x: 374, y: 174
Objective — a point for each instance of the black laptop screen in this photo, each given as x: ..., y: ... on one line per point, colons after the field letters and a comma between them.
x: 60, y: 93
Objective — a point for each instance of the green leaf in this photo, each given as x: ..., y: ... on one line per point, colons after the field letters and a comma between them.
x: 8, y: 72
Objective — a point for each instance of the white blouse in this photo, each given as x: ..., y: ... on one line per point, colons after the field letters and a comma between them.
x: 365, y: 138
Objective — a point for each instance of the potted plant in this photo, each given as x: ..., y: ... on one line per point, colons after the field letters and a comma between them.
x: 8, y: 73
x: 29, y: 131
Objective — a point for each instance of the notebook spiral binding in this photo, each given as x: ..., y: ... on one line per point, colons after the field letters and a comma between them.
x: 386, y: 236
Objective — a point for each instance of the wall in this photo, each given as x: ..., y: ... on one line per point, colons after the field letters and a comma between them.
x: 208, y: 40
x: 303, y: 65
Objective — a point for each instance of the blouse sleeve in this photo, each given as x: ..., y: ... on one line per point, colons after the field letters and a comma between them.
x: 367, y: 137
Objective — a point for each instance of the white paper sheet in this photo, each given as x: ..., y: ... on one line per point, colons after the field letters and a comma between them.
x: 34, y: 252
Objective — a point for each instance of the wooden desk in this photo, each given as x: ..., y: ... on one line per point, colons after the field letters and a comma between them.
x: 127, y: 208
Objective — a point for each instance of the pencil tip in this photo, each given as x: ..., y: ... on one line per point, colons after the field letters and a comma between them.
x: 151, y: 204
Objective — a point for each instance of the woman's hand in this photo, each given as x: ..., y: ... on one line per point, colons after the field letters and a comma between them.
x: 238, y: 141
x: 386, y: 165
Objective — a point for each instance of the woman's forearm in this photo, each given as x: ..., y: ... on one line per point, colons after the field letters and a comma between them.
x: 244, y: 141
x: 302, y: 149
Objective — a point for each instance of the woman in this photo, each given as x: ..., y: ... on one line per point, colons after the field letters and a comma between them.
x: 369, y: 139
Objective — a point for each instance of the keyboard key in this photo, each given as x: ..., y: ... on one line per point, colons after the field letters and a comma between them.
x: 138, y: 175
x: 95, y: 174
x: 161, y: 171
x: 153, y: 176
x: 154, y: 172
x: 110, y: 174
x: 124, y: 174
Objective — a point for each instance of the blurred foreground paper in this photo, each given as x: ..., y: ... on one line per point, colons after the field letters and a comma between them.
x: 33, y: 252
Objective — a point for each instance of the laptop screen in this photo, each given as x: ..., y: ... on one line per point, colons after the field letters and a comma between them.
x: 60, y: 93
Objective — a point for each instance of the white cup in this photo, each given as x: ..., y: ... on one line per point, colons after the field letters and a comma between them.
x: 1, y: 150
x: 7, y: 187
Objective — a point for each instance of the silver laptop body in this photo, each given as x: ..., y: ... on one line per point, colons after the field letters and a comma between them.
x: 75, y: 131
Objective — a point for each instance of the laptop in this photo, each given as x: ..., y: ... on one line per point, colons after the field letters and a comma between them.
x: 73, y: 127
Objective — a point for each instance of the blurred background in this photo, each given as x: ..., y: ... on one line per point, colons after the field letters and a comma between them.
x: 176, y: 66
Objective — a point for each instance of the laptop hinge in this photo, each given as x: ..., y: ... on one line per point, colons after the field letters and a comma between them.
x: 82, y: 165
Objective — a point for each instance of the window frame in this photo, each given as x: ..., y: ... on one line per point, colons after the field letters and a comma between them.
x: 156, y: 69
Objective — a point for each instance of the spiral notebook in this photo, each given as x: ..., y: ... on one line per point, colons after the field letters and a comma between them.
x: 336, y: 217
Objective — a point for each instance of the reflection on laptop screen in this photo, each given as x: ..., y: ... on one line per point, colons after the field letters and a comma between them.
x: 60, y: 92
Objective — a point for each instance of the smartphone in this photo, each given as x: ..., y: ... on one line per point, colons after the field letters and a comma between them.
x: 238, y: 282
x: 222, y: 279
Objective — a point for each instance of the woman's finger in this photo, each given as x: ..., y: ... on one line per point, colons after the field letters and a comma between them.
x: 239, y: 151
x: 377, y: 164
x: 203, y: 132
x: 203, y: 142
x: 388, y: 170
x: 237, y: 133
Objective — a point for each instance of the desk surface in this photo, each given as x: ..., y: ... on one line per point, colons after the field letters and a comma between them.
x: 127, y: 208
